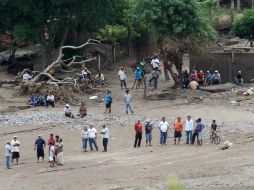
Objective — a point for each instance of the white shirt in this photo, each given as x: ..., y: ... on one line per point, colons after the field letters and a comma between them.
x: 189, y: 125
x: 84, y: 134
x: 26, y: 77
x: 101, y: 77
x: 105, y: 133
x: 67, y: 110
x: 15, y: 148
x: 127, y: 98
x: 164, y: 126
x: 51, y: 97
x: 92, y: 133
x: 122, y: 75
x: 7, y: 150
x: 51, y: 153
x: 155, y: 62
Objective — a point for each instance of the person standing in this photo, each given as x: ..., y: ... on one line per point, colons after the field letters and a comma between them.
x: 84, y: 137
x: 148, y: 129
x: 51, y: 154
x: 15, y: 144
x: 137, y: 78
x: 105, y: 133
x: 122, y: 77
x: 154, y: 78
x: 60, y: 160
x: 188, y: 129
x: 166, y: 69
x: 108, y: 102
x: 138, y: 136
x: 178, y: 126
x: 155, y: 62
x: 200, y: 127
x: 163, y: 126
x: 92, y: 135
x: 39, y: 145
x: 8, y: 151
x: 195, y: 133
x: 127, y: 102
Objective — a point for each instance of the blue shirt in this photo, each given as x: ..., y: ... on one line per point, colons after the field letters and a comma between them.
x: 138, y: 74
x: 108, y: 99
x: 40, y: 143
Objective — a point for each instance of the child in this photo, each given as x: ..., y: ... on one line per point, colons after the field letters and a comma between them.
x: 51, y: 154
x: 8, y: 154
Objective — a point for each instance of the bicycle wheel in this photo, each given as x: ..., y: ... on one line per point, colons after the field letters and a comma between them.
x: 217, y: 140
x: 211, y: 139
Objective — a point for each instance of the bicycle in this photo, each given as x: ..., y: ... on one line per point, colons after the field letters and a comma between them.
x: 214, y: 137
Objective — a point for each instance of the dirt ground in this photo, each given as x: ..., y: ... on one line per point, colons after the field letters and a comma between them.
x: 126, y: 168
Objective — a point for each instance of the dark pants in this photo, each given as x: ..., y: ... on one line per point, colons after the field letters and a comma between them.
x: 188, y: 136
x: 195, y: 134
x: 155, y: 82
x: 93, y: 142
x: 105, y: 144
x: 52, y: 103
x: 123, y: 83
x: 138, y: 139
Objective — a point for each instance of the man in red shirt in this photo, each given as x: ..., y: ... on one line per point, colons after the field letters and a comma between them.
x: 201, y: 77
x: 138, y: 136
x: 51, y: 140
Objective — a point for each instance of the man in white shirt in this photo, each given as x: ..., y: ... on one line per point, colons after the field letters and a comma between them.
x: 163, y: 126
x: 127, y: 102
x: 155, y: 62
x: 188, y: 129
x: 8, y: 155
x: 84, y: 137
x: 105, y: 134
x: 92, y: 135
x: 51, y: 100
x: 26, y: 77
x: 67, y: 111
x: 15, y: 144
x: 122, y: 77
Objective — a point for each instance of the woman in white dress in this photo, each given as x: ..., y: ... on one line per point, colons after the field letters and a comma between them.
x: 60, y: 160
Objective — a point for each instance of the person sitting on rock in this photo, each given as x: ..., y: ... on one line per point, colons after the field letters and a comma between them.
x: 51, y: 100
x: 216, y: 78
x: 26, y: 77
x: 86, y: 73
x: 201, y: 77
x: 239, y: 78
x: 34, y: 100
x: 67, y: 111
x: 186, y: 79
x: 41, y: 101
x: 208, y: 78
x: 154, y: 78
x: 82, y: 111
x: 193, y: 75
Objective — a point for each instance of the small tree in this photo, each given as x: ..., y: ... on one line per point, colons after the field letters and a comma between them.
x: 244, y: 27
x: 114, y: 33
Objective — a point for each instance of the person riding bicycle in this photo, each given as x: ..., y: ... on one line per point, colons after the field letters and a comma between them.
x: 213, y: 127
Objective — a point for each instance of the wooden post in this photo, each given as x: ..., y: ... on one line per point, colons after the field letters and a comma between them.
x: 99, y: 63
x: 238, y: 5
x: 230, y: 65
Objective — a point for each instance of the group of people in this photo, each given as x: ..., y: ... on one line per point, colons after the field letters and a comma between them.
x: 194, y: 79
x: 55, y: 147
x: 82, y: 111
x: 193, y: 131
x: 89, y: 135
x: 42, y: 100
x: 86, y: 76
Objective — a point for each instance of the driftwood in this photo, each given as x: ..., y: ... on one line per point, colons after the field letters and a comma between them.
x: 37, y: 81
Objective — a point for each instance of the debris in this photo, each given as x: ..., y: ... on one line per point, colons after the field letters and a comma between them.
x: 235, y: 103
x: 226, y: 145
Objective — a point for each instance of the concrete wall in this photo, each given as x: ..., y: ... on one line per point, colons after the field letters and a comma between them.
x: 224, y: 63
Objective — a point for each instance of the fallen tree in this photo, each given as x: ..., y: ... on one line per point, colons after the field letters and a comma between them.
x: 38, y: 84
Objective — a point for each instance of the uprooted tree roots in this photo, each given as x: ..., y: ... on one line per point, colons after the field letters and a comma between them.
x: 61, y: 88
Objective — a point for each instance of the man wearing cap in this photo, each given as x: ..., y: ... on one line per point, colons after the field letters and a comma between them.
x: 67, y: 111
x: 137, y: 78
x: 15, y: 144
x: 216, y: 78
x: 39, y: 145
x: 8, y: 151
x: 148, y: 129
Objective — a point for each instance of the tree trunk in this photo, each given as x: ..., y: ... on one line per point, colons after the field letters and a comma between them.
x: 238, y: 5
x: 113, y: 55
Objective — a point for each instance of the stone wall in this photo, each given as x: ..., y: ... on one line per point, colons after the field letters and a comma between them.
x: 224, y: 63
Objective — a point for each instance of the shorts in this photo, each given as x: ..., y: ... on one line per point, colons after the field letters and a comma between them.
x: 40, y: 153
x: 108, y: 105
x: 178, y: 134
x: 15, y: 155
x: 51, y: 158
x: 149, y: 136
